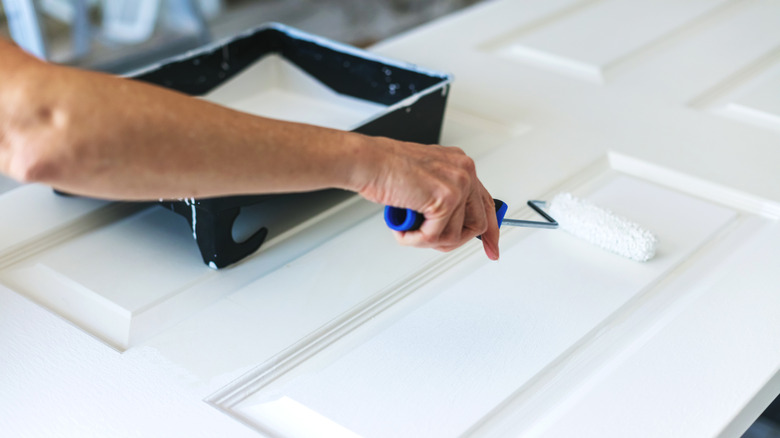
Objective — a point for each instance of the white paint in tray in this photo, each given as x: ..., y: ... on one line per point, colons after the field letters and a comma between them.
x: 274, y: 87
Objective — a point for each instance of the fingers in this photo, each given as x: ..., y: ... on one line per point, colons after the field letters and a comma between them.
x: 490, y: 236
x: 439, y: 182
x: 471, y: 223
x: 457, y: 229
x: 475, y: 216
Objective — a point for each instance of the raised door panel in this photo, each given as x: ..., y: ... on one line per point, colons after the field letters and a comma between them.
x: 590, y: 38
x: 480, y: 332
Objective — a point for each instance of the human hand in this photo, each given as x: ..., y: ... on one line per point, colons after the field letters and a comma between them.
x: 439, y: 182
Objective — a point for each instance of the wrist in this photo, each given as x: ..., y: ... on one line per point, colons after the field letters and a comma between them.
x: 364, y: 162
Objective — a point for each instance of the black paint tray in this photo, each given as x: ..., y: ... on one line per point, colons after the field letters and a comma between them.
x: 402, y: 101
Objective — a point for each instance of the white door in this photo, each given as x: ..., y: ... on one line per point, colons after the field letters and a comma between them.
x: 667, y: 112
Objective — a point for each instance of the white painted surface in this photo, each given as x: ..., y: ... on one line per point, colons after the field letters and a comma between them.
x: 445, y: 365
x: 681, y: 346
x: 756, y: 102
x: 686, y: 351
x: 582, y: 40
x: 128, y: 280
x: 33, y: 213
x: 56, y: 381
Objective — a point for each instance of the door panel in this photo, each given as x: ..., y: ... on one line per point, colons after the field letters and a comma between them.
x: 582, y: 41
x: 473, y: 339
x: 134, y: 270
x: 752, y: 99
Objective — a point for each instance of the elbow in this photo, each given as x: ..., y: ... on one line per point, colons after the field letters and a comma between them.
x: 33, y: 167
x: 36, y: 127
x: 32, y: 155
x: 36, y: 144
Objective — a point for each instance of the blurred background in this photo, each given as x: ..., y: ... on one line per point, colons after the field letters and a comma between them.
x: 122, y: 35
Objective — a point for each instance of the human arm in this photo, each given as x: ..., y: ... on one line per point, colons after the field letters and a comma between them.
x: 104, y: 136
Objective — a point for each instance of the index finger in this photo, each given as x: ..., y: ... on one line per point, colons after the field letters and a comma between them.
x: 490, y: 236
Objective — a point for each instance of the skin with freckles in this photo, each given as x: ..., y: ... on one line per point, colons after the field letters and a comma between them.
x: 108, y: 137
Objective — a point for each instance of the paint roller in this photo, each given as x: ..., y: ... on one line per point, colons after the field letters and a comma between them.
x: 578, y: 217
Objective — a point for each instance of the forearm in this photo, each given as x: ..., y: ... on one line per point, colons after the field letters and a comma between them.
x: 105, y: 136
x: 150, y: 143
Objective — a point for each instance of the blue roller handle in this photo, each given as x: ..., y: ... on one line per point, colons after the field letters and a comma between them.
x: 404, y: 219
